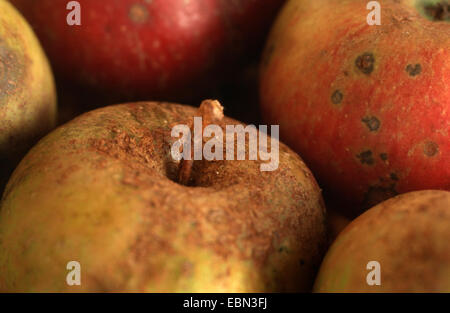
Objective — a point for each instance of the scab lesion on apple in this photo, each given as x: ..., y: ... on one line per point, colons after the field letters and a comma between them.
x: 435, y: 10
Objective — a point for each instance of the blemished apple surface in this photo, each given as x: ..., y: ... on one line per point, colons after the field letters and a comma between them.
x: 367, y: 107
x: 406, y: 235
x: 101, y: 190
x: 27, y: 90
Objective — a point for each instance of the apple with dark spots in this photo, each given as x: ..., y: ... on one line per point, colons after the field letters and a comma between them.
x: 104, y: 190
x: 158, y: 49
x: 406, y: 235
x: 27, y: 91
x: 367, y: 107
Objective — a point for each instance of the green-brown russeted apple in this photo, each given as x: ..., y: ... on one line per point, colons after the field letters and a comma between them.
x: 103, y: 190
x: 27, y: 92
x: 366, y: 106
x: 406, y: 235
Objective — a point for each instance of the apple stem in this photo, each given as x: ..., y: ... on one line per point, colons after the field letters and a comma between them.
x: 211, y: 112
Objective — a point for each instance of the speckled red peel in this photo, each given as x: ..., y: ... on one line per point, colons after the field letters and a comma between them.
x: 368, y: 107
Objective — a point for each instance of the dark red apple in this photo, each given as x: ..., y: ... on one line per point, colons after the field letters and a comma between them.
x: 158, y: 49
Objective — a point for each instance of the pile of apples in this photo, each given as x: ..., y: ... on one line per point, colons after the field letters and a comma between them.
x: 360, y: 201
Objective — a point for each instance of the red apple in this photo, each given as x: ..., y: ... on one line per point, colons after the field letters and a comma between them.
x: 158, y: 49
x: 368, y: 107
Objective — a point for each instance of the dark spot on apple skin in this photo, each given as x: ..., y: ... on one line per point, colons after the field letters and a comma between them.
x: 366, y: 157
x: 393, y: 176
x: 378, y: 193
x: 108, y: 28
x: 384, y: 156
x: 365, y: 63
x: 337, y: 97
x: 372, y: 123
x: 302, y: 262
x: 413, y: 70
x: 430, y: 148
x: 438, y: 11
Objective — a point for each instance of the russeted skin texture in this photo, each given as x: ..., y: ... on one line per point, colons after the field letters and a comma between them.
x: 407, y: 235
x: 27, y: 90
x: 101, y: 190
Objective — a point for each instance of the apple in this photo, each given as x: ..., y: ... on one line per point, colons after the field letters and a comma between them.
x: 27, y: 91
x: 104, y: 190
x: 158, y: 49
x: 367, y: 107
x: 406, y: 235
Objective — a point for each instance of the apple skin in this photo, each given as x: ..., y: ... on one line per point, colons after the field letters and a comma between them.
x: 27, y: 90
x: 367, y: 107
x: 159, y: 49
x: 100, y: 190
x: 407, y: 235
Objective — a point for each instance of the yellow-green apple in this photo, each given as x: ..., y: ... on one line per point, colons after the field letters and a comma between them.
x: 103, y: 190
x: 27, y: 91
x: 400, y: 245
